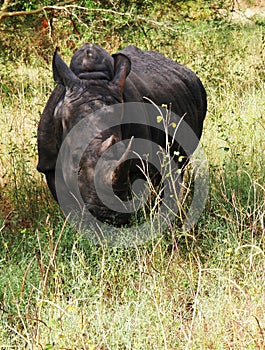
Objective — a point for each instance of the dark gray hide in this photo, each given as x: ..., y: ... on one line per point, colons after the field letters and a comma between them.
x: 97, y: 80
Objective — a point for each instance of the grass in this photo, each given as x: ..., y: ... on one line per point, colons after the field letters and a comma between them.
x: 202, y: 289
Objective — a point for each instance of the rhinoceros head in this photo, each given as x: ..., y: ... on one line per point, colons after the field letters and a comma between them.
x: 90, y: 96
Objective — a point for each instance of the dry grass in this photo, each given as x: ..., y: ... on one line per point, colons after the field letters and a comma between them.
x: 202, y: 289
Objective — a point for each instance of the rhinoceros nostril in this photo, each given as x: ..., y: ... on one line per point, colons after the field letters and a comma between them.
x: 92, y: 211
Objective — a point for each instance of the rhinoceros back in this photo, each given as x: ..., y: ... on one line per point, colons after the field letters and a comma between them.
x: 164, y: 81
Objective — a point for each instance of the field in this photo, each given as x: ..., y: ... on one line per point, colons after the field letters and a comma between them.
x: 198, y: 289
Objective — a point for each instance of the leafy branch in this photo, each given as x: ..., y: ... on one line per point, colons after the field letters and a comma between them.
x: 67, y: 6
x: 5, y: 13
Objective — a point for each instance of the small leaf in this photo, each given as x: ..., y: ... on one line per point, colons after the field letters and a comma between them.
x: 48, y: 346
x: 181, y: 158
x: 159, y: 119
x: 129, y: 292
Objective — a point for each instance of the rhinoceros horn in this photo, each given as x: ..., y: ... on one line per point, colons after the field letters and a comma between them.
x: 121, y: 172
x: 118, y: 174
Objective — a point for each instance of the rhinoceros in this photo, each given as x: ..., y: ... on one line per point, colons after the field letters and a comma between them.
x: 98, y: 81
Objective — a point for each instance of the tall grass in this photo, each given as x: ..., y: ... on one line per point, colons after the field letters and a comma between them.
x: 202, y: 289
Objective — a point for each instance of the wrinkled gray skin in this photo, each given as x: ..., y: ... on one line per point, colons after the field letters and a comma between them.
x: 98, y: 80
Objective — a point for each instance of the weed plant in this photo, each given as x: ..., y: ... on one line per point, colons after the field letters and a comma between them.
x: 200, y: 289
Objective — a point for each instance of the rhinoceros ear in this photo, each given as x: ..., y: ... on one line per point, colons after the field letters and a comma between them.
x: 122, y: 67
x: 62, y: 74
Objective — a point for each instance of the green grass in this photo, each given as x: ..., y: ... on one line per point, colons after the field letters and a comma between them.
x: 202, y: 289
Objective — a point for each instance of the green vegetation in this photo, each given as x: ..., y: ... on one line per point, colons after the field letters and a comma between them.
x: 202, y: 289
